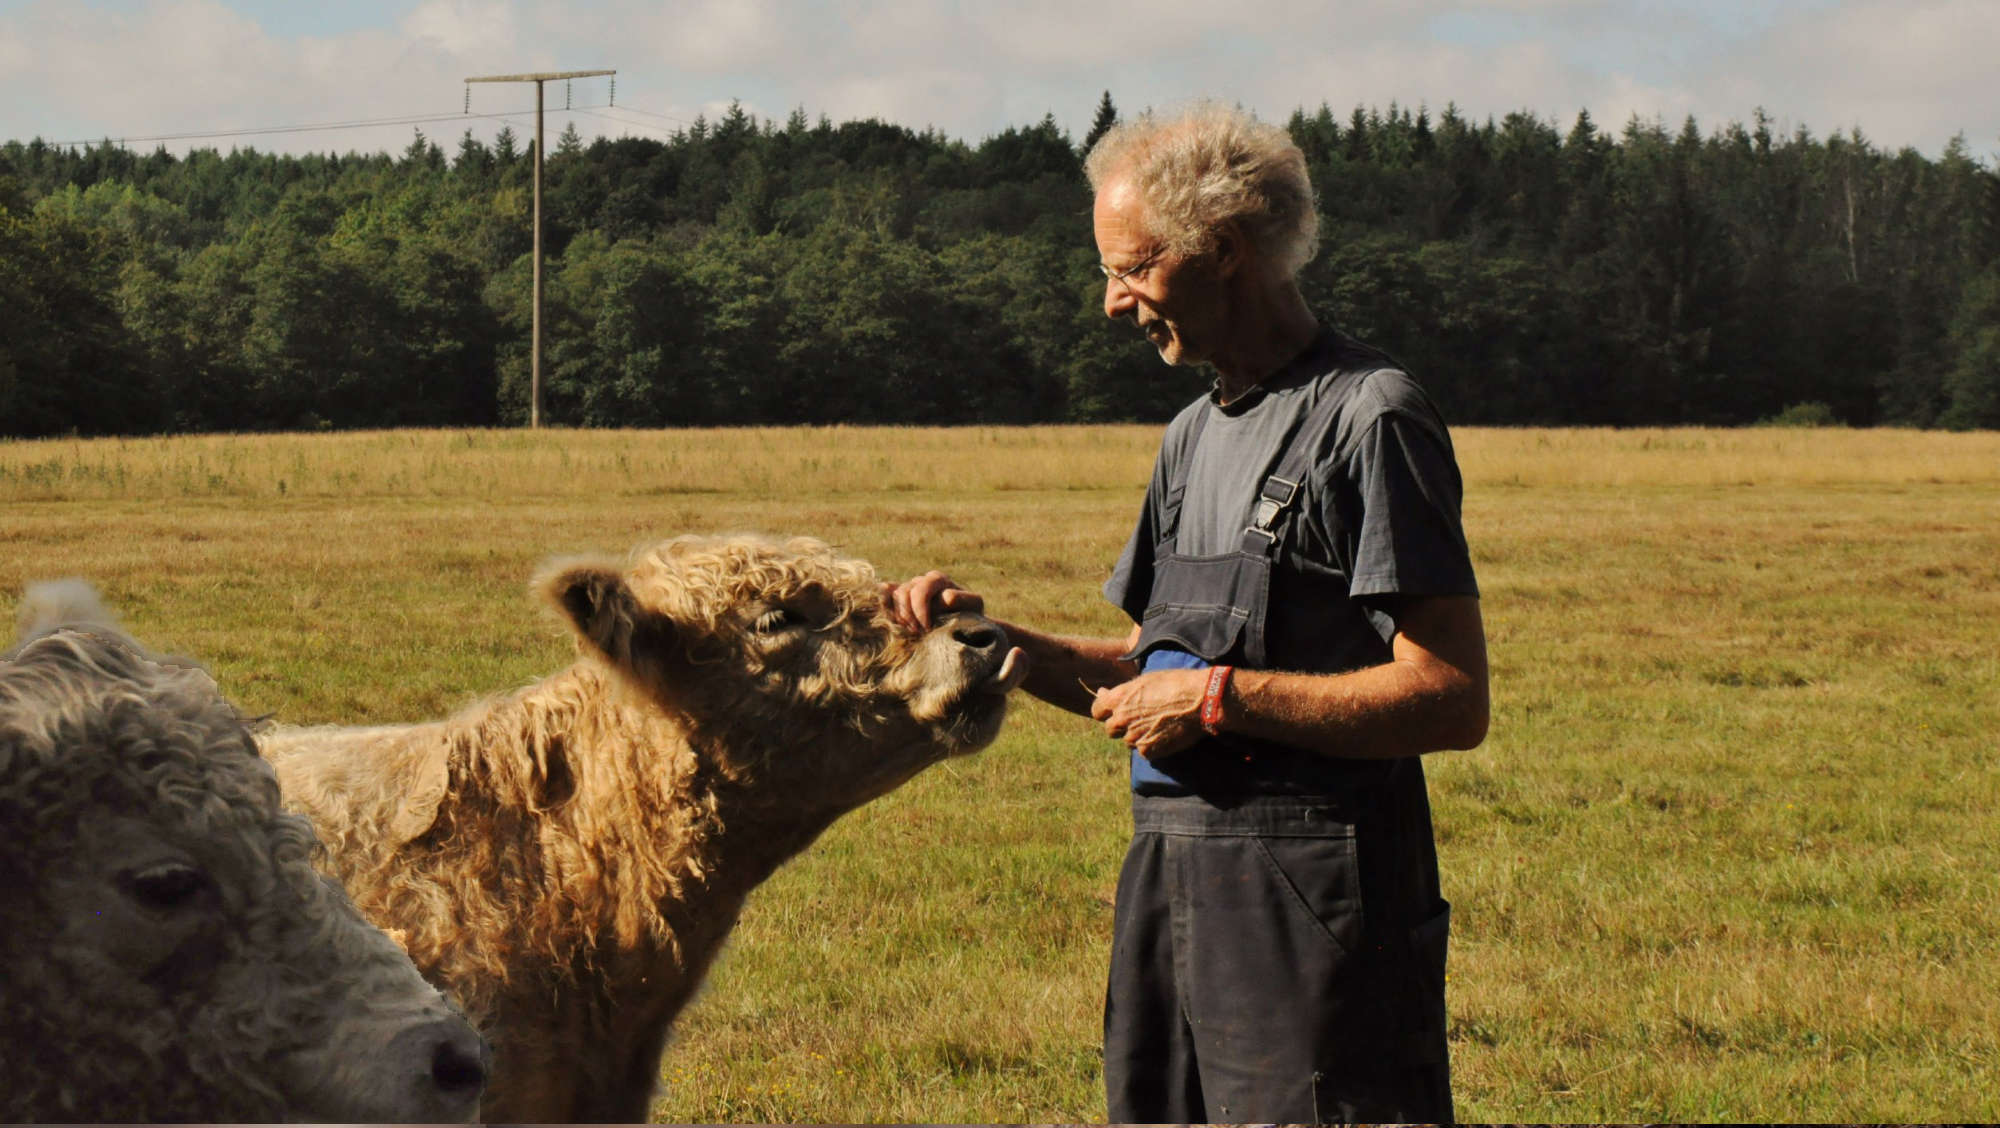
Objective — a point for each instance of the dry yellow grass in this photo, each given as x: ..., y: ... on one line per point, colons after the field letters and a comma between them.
x: 1693, y: 456
x: 515, y: 464
x: 836, y: 460
x: 1727, y: 854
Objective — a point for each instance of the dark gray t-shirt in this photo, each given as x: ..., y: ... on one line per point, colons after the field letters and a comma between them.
x: 1378, y: 518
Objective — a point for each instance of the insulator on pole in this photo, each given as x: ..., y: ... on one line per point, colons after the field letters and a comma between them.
x: 614, y: 92
x: 566, y: 86
x: 468, y: 97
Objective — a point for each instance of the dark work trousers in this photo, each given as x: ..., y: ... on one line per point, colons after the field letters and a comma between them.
x: 1248, y: 983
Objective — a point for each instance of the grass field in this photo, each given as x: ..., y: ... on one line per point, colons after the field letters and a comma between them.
x: 1728, y: 854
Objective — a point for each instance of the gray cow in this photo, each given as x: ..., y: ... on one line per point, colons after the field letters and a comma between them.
x: 167, y: 951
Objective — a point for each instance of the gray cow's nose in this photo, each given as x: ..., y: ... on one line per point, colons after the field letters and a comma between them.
x: 978, y: 636
x: 450, y: 1063
x: 458, y: 1063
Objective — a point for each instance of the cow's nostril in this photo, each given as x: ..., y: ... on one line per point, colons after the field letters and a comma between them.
x: 456, y: 1065
x: 983, y: 636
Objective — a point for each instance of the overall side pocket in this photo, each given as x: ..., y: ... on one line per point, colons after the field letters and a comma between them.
x: 1322, y: 876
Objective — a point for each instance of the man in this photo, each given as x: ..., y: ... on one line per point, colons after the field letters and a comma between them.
x: 1307, y: 627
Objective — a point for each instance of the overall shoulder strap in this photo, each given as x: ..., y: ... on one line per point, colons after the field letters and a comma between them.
x: 1280, y: 491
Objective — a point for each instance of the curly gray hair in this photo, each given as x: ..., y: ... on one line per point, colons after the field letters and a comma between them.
x: 1198, y: 168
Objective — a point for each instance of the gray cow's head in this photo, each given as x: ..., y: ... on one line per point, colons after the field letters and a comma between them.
x: 169, y: 951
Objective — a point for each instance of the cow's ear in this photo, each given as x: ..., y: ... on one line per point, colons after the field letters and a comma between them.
x: 595, y: 600
x: 423, y: 790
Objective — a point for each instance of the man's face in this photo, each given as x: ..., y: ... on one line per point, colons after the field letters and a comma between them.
x: 1175, y: 301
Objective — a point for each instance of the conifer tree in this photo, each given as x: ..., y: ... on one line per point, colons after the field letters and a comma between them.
x: 570, y: 143
x: 1107, y: 116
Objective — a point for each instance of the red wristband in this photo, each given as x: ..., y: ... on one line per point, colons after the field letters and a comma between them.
x: 1211, y: 700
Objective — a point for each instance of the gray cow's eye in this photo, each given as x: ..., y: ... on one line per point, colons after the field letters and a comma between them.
x: 168, y: 886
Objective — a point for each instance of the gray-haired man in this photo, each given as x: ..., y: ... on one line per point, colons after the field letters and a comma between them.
x: 1307, y: 627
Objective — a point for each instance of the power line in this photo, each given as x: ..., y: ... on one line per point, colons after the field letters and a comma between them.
x: 370, y: 123
x: 312, y: 127
x: 622, y: 121
x: 649, y: 113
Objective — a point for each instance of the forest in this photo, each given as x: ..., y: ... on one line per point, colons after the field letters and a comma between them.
x: 746, y: 271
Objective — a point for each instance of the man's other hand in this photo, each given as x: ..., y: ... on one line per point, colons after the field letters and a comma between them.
x: 1156, y: 714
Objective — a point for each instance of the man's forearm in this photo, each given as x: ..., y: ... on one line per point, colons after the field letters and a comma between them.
x: 1431, y: 696
x: 1060, y: 666
x: 1383, y: 711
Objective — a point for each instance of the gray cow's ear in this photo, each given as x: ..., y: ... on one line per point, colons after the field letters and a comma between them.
x: 598, y: 604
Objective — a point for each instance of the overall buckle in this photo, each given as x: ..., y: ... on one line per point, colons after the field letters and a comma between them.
x: 1273, y: 500
x: 1277, y: 496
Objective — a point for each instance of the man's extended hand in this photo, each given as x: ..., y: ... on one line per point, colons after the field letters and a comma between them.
x: 1156, y: 714
x: 916, y: 602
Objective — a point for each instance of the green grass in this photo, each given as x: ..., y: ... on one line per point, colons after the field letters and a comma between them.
x: 1727, y: 854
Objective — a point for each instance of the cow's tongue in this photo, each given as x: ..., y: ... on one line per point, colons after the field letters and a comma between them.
x: 1012, y: 670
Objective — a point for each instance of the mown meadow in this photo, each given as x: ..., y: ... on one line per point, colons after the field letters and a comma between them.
x: 1728, y: 853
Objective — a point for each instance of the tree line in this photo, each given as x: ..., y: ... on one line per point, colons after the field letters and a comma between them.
x: 754, y: 271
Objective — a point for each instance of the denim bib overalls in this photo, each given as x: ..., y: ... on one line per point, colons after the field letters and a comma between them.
x: 1278, y: 948
x: 1211, y: 605
x: 1209, y: 609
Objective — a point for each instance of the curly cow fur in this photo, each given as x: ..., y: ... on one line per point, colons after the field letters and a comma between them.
x: 169, y: 951
x: 567, y: 860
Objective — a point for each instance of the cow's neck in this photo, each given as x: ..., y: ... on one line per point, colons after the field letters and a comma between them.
x: 634, y: 807
x: 671, y: 843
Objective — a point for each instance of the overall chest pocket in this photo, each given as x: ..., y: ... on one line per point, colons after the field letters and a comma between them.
x: 1206, y: 604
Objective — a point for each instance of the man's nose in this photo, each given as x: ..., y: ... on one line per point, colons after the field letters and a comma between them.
x: 1118, y: 300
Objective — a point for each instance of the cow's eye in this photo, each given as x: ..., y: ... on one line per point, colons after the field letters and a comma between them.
x: 779, y: 619
x: 168, y: 885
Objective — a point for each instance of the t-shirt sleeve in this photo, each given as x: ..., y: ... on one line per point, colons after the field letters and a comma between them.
x: 1410, y: 540
x: 1131, y: 582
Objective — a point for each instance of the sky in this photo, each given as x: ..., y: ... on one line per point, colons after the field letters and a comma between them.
x: 160, y: 72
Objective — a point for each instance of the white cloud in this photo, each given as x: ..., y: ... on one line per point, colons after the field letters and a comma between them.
x: 700, y: 37
x: 1064, y: 34
x: 464, y: 27
x: 14, y: 54
x: 915, y: 98
x: 1909, y: 73
x: 127, y: 73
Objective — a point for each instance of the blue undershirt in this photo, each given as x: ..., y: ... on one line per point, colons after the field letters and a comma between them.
x: 1147, y: 776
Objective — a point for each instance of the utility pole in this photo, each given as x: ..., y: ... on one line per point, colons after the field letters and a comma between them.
x: 535, y: 334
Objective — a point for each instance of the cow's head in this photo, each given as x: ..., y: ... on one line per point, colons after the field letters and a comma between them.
x: 781, y: 654
x: 171, y: 952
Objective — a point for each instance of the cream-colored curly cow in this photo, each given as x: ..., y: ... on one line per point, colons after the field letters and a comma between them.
x: 565, y: 861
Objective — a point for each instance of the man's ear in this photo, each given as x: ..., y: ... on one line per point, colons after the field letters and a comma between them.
x: 1232, y: 250
x: 595, y: 600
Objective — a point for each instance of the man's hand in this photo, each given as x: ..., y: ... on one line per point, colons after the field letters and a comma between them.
x: 1061, y: 669
x: 1156, y: 714
x: 916, y: 602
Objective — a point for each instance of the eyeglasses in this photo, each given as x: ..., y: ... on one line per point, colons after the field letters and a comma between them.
x: 1119, y: 276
